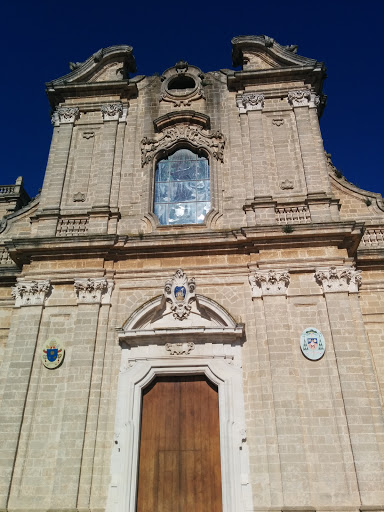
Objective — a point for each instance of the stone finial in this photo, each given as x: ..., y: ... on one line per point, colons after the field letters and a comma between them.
x: 299, y: 98
x: 250, y: 101
x: 339, y: 279
x: 179, y: 292
x: 93, y: 290
x: 31, y: 293
x: 112, y: 111
x: 269, y: 282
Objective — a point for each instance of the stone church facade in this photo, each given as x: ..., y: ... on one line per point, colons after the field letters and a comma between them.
x: 191, y: 226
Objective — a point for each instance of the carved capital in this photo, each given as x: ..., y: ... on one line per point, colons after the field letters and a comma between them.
x: 65, y: 115
x: 180, y: 348
x: 179, y: 292
x: 299, y: 98
x: 93, y: 290
x: 269, y: 282
x: 31, y: 293
x: 112, y: 111
x: 339, y: 279
x: 250, y: 101
x: 214, y: 142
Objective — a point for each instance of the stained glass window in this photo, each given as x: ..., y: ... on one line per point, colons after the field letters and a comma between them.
x: 182, y: 189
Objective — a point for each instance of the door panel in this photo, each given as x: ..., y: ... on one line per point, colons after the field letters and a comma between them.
x: 179, y: 467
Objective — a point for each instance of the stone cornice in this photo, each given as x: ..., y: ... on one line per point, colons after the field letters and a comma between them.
x: 237, y: 241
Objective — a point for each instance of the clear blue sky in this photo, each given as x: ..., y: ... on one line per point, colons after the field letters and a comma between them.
x: 40, y: 38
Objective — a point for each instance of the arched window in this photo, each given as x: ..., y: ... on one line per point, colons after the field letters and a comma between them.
x: 182, y: 189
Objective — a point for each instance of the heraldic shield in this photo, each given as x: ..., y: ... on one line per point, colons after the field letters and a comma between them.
x: 312, y: 344
x: 53, y: 354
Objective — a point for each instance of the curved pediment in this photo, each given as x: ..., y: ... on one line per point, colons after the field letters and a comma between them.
x: 181, y: 313
x: 263, y: 52
x: 108, y: 64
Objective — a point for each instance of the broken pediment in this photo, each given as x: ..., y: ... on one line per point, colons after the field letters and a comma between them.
x: 106, y: 65
x: 263, y: 52
x: 181, y: 313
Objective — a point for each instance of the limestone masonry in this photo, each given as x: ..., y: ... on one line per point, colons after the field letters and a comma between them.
x: 192, y: 224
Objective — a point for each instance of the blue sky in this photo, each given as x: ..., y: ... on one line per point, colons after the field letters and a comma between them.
x: 40, y: 38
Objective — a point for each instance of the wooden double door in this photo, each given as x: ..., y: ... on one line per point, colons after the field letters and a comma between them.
x: 179, y: 466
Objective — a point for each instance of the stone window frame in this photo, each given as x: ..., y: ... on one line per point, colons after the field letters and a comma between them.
x: 163, y: 155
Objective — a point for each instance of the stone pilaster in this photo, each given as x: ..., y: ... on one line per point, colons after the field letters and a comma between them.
x: 340, y: 286
x: 98, y: 222
x: 63, y: 120
x: 15, y: 373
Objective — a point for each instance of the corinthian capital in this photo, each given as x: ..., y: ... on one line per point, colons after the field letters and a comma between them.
x: 250, y: 101
x: 112, y: 111
x: 65, y: 115
x: 269, y: 282
x: 93, y: 290
x: 300, y: 98
x: 30, y: 293
x: 339, y: 279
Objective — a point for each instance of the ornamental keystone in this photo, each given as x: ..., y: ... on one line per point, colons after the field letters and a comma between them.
x: 93, y: 290
x: 179, y: 292
x: 269, y: 282
x: 31, y: 293
x: 339, y: 279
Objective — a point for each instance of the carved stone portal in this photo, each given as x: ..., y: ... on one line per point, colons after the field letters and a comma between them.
x: 179, y: 292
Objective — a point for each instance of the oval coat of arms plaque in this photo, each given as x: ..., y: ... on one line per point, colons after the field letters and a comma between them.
x: 312, y: 343
x: 53, y: 354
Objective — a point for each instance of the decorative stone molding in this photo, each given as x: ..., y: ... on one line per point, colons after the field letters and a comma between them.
x: 179, y: 292
x: 31, y: 293
x: 293, y: 215
x: 182, y: 84
x: 93, y: 290
x: 269, y: 282
x: 286, y: 185
x: 339, y: 279
x: 213, y: 142
x: 65, y: 115
x: 112, y: 111
x: 180, y: 348
x: 250, y: 101
x: 78, y: 197
x: 5, y: 258
x: 3, y: 224
x: 278, y: 121
x: 88, y: 135
x: 299, y: 98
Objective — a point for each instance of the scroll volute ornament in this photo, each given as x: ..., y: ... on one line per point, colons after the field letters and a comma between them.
x: 179, y: 292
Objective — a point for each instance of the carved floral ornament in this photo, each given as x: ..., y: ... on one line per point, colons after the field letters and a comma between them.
x: 269, y: 282
x: 250, y: 101
x: 93, y: 290
x: 195, y: 135
x: 112, y: 111
x: 303, y: 98
x: 179, y: 292
x: 339, y: 279
x: 31, y: 293
x: 65, y: 115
